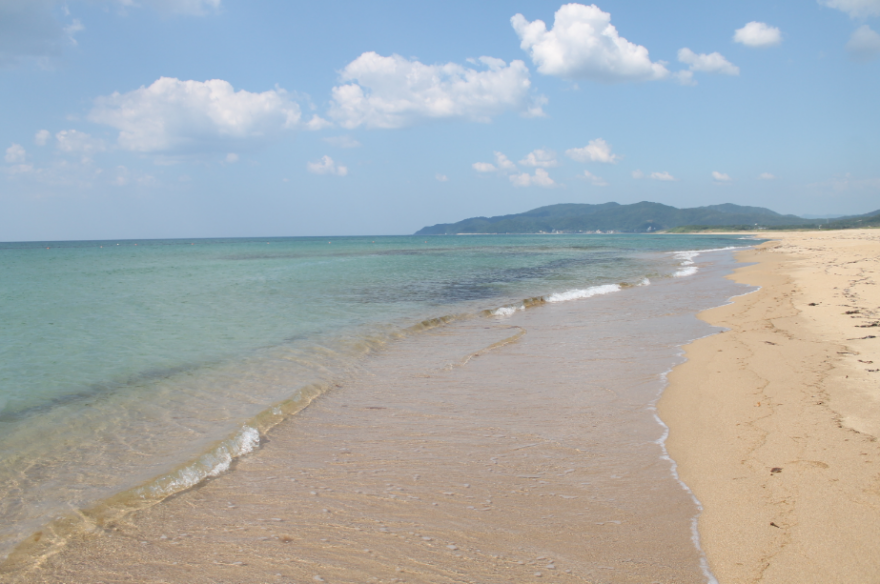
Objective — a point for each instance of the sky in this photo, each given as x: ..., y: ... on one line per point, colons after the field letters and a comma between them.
x: 128, y: 119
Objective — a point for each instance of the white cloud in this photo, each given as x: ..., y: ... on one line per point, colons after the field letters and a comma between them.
x: 76, y: 142
x: 317, y: 123
x: 441, y: 177
x: 540, y: 158
x: 583, y: 44
x: 855, y: 8
x: 596, y: 180
x: 665, y: 176
x: 173, y: 114
x: 758, y: 35
x: 638, y: 174
x: 864, y: 44
x: 539, y: 179
x: 15, y: 154
x: 231, y: 158
x: 703, y: 63
x: 720, y: 176
x: 393, y: 92
x: 502, y: 163
x: 597, y: 150
x: 766, y: 176
x: 327, y: 166
x: 342, y: 141
x: 41, y: 137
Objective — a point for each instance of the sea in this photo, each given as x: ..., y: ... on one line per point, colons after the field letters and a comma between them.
x: 132, y: 371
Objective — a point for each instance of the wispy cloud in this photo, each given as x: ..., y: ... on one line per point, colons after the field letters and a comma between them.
x: 327, y: 166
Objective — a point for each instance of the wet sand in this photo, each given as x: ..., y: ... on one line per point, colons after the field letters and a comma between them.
x: 774, y: 423
x: 495, y: 450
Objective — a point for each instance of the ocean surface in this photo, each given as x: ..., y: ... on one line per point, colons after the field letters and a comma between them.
x: 133, y: 370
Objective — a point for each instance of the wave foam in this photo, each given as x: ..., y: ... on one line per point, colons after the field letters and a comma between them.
x: 687, y: 257
x: 210, y: 464
x: 507, y: 310
x: 584, y: 293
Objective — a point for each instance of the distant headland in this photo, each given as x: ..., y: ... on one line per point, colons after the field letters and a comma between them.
x: 644, y: 217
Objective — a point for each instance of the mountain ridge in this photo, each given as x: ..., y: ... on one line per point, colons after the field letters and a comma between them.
x: 642, y: 217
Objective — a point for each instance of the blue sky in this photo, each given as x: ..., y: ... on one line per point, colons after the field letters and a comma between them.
x: 204, y: 118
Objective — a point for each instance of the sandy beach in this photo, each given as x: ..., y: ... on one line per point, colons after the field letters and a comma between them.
x: 526, y: 449
x: 774, y: 422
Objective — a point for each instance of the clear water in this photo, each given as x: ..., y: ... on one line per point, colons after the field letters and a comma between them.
x: 142, y: 367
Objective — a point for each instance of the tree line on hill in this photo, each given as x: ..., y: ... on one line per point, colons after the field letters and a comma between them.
x: 644, y: 217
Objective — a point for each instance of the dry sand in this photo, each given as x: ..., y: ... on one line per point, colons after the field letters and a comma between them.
x: 774, y: 423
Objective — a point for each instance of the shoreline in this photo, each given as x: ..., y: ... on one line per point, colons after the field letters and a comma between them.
x: 490, y: 461
x: 774, y: 422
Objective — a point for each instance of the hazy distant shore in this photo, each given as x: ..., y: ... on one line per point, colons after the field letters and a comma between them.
x: 774, y: 422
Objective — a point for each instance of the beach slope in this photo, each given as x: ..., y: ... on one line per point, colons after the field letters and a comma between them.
x: 774, y: 422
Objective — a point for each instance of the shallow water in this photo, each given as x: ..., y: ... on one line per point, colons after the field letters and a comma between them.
x: 137, y: 371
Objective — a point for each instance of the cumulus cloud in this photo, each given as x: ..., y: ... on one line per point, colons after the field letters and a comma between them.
x: 720, y: 176
x: 231, y: 158
x: 665, y: 176
x: 172, y: 114
x: 76, y: 142
x: 758, y: 35
x: 583, y: 44
x: 540, y: 179
x: 703, y: 63
x: 540, y: 158
x: 342, y: 141
x: 766, y: 176
x: 502, y: 163
x: 638, y: 174
x: 855, y: 8
x: 596, y: 180
x: 597, y: 150
x: 864, y: 44
x: 41, y: 137
x: 441, y: 177
x: 15, y: 154
x: 393, y: 92
x: 327, y: 166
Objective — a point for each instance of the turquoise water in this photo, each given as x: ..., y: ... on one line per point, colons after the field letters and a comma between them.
x: 149, y: 365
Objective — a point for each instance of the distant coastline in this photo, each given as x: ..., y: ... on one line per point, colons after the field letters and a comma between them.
x: 644, y: 217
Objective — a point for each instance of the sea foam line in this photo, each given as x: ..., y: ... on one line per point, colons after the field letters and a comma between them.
x: 578, y: 294
x: 687, y: 257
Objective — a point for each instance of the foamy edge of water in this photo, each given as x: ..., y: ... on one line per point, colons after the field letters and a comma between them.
x: 688, y: 257
x: 573, y: 294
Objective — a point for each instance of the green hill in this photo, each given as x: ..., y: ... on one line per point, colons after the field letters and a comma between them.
x: 641, y: 217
